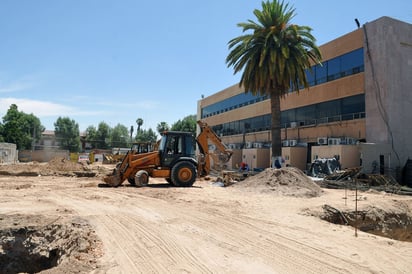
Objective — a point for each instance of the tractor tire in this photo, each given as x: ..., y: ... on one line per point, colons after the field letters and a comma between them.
x: 141, y: 178
x: 131, y: 181
x: 184, y: 174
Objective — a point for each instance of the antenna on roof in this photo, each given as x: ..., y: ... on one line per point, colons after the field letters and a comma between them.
x: 357, y: 22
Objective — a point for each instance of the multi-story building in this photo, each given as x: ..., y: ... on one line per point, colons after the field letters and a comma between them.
x: 361, y: 94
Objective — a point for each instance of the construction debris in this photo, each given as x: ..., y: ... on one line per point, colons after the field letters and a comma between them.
x: 322, y: 167
x: 353, y: 178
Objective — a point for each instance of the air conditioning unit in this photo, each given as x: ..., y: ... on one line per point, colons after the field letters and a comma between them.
x: 293, y: 124
x: 293, y: 143
x: 350, y: 141
x: 322, y: 140
x: 333, y: 141
x: 249, y: 145
x: 285, y: 143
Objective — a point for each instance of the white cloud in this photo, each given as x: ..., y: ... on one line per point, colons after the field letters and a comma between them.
x: 38, y: 108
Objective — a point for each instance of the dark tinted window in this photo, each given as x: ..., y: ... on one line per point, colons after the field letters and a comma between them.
x: 321, y: 73
x: 341, y: 66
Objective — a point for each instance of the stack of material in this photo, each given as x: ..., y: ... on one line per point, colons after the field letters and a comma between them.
x: 352, y: 178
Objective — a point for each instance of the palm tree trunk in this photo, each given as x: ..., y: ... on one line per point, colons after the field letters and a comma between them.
x: 275, y: 127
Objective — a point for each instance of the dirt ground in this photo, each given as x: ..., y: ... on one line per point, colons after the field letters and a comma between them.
x: 55, y: 219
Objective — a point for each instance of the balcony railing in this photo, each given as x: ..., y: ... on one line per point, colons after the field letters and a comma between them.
x: 324, y: 120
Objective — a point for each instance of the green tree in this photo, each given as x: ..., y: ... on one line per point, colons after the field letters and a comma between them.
x: 146, y: 136
x: 119, y: 136
x: 187, y: 124
x: 139, y: 123
x: 102, y: 135
x: 273, y: 58
x: 1, y: 133
x: 91, y: 136
x: 20, y: 128
x: 67, y: 134
x: 162, y: 127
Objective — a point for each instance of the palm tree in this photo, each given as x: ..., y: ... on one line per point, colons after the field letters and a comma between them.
x: 273, y: 58
x: 131, y: 133
x: 139, y: 123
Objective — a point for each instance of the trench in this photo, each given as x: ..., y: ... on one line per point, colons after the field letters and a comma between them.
x: 33, y: 249
x: 396, y: 226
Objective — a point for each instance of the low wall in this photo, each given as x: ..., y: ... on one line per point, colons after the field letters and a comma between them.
x: 42, y: 155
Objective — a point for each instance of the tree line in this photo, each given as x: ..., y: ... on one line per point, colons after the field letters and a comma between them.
x: 25, y: 130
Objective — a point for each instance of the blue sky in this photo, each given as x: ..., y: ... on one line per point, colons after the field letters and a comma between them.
x: 119, y: 60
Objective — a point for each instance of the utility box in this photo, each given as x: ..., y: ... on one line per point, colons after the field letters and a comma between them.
x: 256, y: 157
x: 377, y: 158
x: 295, y: 156
x: 348, y: 155
x: 8, y: 153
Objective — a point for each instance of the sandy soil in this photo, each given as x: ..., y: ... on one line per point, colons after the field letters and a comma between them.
x: 269, y: 223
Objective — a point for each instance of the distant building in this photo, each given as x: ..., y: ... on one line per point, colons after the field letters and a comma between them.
x: 45, y: 149
x: 360, y: 93
x: 47, y: 141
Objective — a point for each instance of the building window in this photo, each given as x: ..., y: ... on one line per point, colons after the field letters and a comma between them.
x: 330, y: 70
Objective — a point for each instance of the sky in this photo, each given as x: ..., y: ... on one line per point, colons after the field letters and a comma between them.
x: 114, y: 61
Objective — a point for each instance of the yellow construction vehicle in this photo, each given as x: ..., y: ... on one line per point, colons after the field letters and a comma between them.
x: 174, y: 159
x: 137, y: 147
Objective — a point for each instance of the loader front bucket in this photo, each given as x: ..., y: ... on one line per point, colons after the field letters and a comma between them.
x: 113, y: 180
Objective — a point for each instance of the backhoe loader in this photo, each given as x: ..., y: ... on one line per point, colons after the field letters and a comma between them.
x: 174, y: 159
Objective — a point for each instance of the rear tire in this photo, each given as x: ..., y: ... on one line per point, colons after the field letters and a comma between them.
x: 184, y: 174
x: 141, y: 178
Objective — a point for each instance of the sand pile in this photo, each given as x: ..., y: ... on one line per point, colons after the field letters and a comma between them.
x: 58, y: 166
x: 286, y: 181
x: 62, y: 164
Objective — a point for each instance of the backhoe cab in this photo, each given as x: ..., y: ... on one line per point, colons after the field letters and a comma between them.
x: 174, y: 159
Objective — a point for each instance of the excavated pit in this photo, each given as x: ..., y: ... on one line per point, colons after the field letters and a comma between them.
x: 32, y: 249
x: 397, y: 226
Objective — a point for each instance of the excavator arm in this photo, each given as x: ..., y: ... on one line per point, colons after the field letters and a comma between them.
x: 206, y: 135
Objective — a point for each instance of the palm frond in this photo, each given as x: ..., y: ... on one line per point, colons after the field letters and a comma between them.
x: 275, y: 54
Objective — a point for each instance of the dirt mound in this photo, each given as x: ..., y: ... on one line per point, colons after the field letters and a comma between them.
x: 286, y: 181
x: 58, y: 166
x: 62, y: 164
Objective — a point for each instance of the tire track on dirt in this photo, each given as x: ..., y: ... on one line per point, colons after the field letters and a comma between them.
x: 225, y: 239
x: 144, y: 242
x: 149, y: 230
x: 243, y: 234
x: 163, y: 244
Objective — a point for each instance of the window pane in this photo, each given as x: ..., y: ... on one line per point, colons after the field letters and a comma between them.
x: 288, y: 116
x: 352, y: 61
x: 310, y: 76
x: 321, y: 73
x: 333, y: 68
x: 306, y: 114
x: 353, y: 104
x: 328, y: 109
